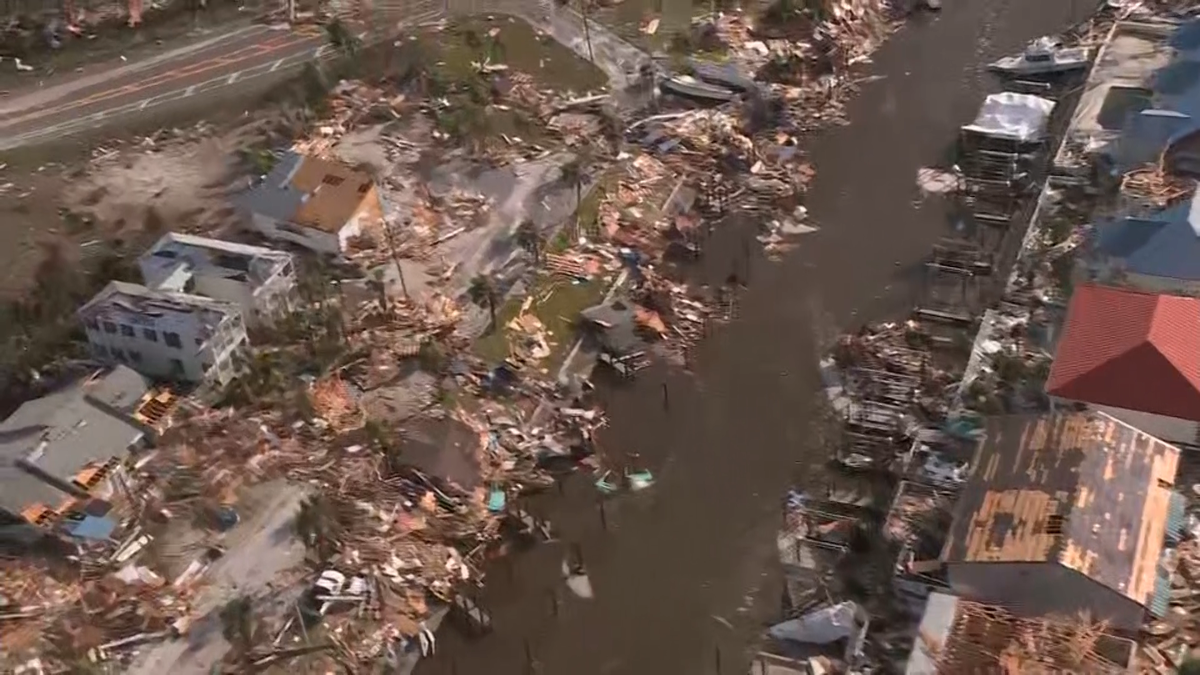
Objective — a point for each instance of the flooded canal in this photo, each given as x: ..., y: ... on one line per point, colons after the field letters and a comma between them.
x: 689, y: 564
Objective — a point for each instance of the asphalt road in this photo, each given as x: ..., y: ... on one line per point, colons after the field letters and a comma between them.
x: 58, y: 109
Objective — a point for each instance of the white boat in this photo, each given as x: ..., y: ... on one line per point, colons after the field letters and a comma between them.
x: 1043, y: 56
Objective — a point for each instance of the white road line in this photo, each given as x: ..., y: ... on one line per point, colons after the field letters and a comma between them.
x: 144, y: 104
x: 233, y: 78
x: 275, y: 66
x: 190, y: 90
x: 320, y: 51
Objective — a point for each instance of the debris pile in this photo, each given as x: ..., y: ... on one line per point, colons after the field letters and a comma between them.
x: 66, y: 618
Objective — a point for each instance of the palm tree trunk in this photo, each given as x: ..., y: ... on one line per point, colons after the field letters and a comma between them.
x: 587, y: 31
x: 492, y: 311
x: 387, y: 233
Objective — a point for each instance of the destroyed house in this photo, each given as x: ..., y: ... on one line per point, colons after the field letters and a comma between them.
x: 1157, y: 113
x: 1066, y: 513
x: 1157, y: 253
x: 61, y: 453
x: 259, y: 280
x: 164, y: 334
x: 312, y: 202
x: 960, y: 636
x: 1135, y: 356
x: 915, y: 527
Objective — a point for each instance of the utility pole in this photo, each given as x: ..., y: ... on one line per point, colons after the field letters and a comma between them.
x: 291, y: 11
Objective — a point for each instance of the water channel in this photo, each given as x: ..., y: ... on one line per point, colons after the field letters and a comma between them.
x: 688, y: 566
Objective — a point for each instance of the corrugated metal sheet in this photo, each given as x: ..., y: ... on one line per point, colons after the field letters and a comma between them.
x: 1161, y: 600
x: 1176, y: 517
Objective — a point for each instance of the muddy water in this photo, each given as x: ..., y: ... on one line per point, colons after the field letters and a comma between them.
x: 686, y: 567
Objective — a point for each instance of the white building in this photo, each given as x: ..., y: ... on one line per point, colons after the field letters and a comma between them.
x: 259, y: 280
x: 165, y: 334
x: 312, y: 202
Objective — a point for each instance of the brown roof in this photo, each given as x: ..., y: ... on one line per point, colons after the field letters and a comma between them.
x: 1132, y: 350
x: 335, y: 193
x: 1083, y: 490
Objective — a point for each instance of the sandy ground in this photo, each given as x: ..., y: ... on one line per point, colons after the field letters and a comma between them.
x: 187, y: 185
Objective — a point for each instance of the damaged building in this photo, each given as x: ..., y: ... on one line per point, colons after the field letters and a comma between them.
x: 960, y: 636
x: 1066, y: 513
x: 165, y: 334
x: 260, y: 280
x: 64, y: 454
x: 312, y: 202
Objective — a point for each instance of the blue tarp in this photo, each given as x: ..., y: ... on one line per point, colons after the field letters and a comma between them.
x: 496, y: 500
x: 93, y: 527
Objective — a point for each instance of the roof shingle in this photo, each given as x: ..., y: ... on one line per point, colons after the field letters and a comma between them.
x: 1131, y: 350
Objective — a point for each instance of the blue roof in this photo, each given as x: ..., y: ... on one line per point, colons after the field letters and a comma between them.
x: 93, y: 527
x: 1166, y: 245
x: 1174, y: 105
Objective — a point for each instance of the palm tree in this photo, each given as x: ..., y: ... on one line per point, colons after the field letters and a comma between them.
x: 587, y: 29
x: 317, y: 525
x: 237, y: 625
x: 342, y: 39
x: 482, y: 292
x: 573, y: 174
x: 529, y: 237
x: 377, y: 284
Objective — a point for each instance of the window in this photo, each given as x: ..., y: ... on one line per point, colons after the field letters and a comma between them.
x: 150, y: 334
x: 1054, y: 524
x: 92, y: 324
x: 127, y: 331
x: 110, y: 327
x: 134, y: 356
x: 333, y: 180
x: 118, y: 354
x: 172, y: 340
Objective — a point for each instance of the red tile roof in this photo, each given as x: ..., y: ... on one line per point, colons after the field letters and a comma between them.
x: 1132, y: 350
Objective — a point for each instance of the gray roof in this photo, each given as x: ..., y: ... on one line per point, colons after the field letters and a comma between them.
x: 274, y: 197
x: 203, y: 254
x: 63, y: 432
x: 121, y: 388
x: 936, y: 624
x: 618, y: 323
x: 1166, y: 245
x: 138, y: 298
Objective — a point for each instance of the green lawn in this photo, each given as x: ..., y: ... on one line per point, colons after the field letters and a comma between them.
x: 557, y: 304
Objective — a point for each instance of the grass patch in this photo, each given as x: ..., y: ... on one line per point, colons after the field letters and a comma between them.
x: 557, y: 304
